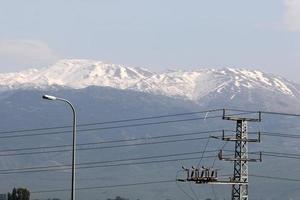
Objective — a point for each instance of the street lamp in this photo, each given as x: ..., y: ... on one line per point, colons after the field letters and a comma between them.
x: 53, y: 98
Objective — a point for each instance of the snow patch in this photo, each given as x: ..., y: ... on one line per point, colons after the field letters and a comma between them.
x: 192, y: 85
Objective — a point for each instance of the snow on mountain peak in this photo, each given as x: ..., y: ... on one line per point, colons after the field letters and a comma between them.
x: 77, y: 74
x: 255, y: 78
x: 191, y: 85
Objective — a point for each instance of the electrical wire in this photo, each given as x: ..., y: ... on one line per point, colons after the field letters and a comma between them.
x: 105, y: 147
x: 193, y: 191
x: 266, y: 112
x: 180, y: 188
x: 100, y: 166
x: 264, y: 133
x: 215, y: 160
x: 275, y: 178
x: 111, y: 141
x: 274, y: 154
x: 123, y: 145
x: 269, y: 134
x: 149, y: 183
x: 205, y: 147
x: 111, y: 122
x: 83, y: 165
x: 108, y: 128
x: 214, y: 191
x: 140, y: 119
x: 280, y: 113
x: 109, y: 161
x: 277, y: 134
x: 106, y: 186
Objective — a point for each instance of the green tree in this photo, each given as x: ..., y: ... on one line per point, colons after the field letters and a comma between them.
x: 13, y: 195
x: 9, y: 196
x: 23, y: 194
x: 19, y: 194
x: 118, y: 198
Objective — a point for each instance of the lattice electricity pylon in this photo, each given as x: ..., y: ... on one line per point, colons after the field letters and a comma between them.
x: 239, y: 181
x: 240, y: 159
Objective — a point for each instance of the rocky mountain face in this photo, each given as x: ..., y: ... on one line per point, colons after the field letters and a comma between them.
x: 193, y: 85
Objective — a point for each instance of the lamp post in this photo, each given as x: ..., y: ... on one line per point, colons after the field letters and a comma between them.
x: 53, y: 98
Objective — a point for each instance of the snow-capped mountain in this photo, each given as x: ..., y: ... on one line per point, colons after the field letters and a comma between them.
x: 133, y: 93
x: 196, y: 84
x: 76, y: 74
x: 192, y: 85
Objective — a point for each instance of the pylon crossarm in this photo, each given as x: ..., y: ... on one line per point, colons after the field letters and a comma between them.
x: 227, y: 183
x: 227, y: 115
x: 240, y: 140
x: 216, y: 182
x: 244, y: 119
x: 245, y: 160
x: 240, y: 159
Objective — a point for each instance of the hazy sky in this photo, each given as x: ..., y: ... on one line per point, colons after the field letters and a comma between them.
x: 156, y: 34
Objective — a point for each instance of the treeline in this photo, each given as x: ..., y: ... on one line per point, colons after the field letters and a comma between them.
x: 24, y: 194
x: 19, y: 194
x: 119, y: 198
x: 48, y: 199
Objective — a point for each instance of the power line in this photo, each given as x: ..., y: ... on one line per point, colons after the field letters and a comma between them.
x: 105, y: 147
x: 266, y: 112
x: 275, y: 154
x: 111, y: 141
x: 149, y: 183
x: 107, y: 186
x: 281, y: 153
x: 279, y: 156
x: 110, y: 161
x: 277, y: 134
x: 112, y: 122
x: 124, y: 145
x: 276, y: 178
x: 269, y: 134
x: 243, y: 111
x: 138, y: 119
x: 281, y: 113
x: 63, y: 168
x: 110, y: 127
x: 265, y: 133
x: 83, y: 165
x: 282, y: 156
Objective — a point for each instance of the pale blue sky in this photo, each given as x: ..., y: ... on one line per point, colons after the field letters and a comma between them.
x: 155, y: 34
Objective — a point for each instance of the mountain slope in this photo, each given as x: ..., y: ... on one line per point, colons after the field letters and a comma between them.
x: 192, y: 85
x: 105, y: 92
x: 25, y: 109
x: 76, y: 74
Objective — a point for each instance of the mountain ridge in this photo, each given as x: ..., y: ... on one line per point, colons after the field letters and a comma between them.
x: 144, y: 94
x: 187, y: 84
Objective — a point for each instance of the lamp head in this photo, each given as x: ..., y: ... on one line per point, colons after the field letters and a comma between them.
x: 48, y: 97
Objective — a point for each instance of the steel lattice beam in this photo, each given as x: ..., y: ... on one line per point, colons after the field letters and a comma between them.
x: 240, y: 192
x: 239, y: 181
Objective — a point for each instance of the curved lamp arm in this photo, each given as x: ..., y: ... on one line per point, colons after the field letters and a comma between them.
x: 53, y: 98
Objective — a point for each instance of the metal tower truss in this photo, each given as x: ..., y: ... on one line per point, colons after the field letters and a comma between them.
x: 240, y: 159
